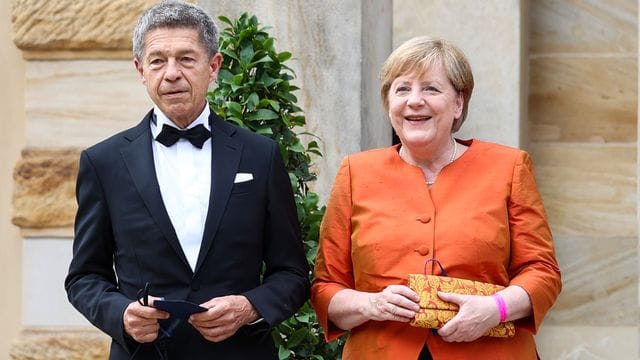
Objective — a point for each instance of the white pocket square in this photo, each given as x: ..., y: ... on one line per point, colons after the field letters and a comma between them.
x: 243, y: 177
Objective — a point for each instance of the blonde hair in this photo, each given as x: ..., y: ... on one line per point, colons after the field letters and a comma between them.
x: 416, y: 56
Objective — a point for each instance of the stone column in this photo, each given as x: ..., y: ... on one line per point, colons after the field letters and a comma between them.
x: 81, y: 88
x: 338, y: 48
x: 492, y: 35
x: 12, y: 118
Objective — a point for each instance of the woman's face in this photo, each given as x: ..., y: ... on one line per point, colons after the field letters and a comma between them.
x: 422, y: 109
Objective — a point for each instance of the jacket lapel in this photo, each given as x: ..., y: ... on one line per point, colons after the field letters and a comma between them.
x: 138, y: 158
x: 224, y: 166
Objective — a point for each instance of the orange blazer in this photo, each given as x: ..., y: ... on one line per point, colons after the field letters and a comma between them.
x: 483, y: 220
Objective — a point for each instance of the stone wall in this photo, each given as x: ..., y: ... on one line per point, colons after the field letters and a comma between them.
x: 583, y: 129
x: 558, y: 78
x: 12, y: 119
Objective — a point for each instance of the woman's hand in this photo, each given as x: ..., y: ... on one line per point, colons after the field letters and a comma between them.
x: 477, y: 315
x: 349, y: 308
x: 395, y: 302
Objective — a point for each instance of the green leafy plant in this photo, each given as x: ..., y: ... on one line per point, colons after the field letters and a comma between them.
x: 254, y: 92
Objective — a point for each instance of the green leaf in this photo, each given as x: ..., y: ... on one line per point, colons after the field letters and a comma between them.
x: 263, y: 114
x: 263, y: 59
x: 296, y: 338
x: 284, y: 56
x: 253, y: 101
x: 234, y: 108
x: 303, y: 318
x: 229, y: 53
x: 311, y: 200
x: 293, y: 179
x: 270, y: 81
x: 297, y: 147
x: 226, y: 20
x: 312, y: 145
x: 265, y: 131
x: 275, y: 105
x: 225, y: 76
x: 237, y: 79
x: 283, y: 353
x: 237, y: 121
x: 268, y: 44
x: 246, y: 54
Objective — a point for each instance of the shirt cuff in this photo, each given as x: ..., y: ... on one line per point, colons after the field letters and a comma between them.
x: 256, y: 321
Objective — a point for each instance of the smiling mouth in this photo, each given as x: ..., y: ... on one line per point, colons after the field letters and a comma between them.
x: 417, y: 118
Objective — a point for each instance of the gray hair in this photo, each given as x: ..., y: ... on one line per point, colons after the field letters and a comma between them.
x: 176, y: 14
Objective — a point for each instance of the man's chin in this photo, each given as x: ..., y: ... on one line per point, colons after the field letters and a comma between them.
x: 180, y: 117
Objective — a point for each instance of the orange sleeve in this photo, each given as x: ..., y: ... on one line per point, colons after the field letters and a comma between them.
x: 533, y: 264
x: 333, y: 267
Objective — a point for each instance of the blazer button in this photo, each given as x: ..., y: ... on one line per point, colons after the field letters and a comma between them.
x: 424, y: 219
x: 423, y: 250
x: 195, y: 286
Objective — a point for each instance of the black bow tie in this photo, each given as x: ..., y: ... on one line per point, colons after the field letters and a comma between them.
x: 197, y: 135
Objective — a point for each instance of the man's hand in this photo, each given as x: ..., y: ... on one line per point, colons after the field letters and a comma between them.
x: 225, y: 316
x: 141, y: 322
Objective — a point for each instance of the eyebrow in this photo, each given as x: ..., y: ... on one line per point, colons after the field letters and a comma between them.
x: 178, y: 53
x: 429, y: 82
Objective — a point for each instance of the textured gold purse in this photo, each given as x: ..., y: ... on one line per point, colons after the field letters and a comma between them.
x: 435, y: 312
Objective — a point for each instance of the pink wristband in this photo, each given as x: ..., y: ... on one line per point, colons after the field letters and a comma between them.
x: 502, y: 307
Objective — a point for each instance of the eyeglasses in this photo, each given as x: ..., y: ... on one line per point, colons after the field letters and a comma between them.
x: 143, y: 299
x: 159, y: 345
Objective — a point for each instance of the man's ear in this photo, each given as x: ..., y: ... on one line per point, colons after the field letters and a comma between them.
x: 140, y: 69
x: 214, y: 66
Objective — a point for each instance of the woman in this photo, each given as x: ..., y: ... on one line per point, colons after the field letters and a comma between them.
x: 471, y: 205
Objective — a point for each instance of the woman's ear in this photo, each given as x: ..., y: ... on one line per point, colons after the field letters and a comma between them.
x: 459, y: 104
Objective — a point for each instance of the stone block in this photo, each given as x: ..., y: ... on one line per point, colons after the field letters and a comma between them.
x: 583, y: 99
x: 78, y: 103
x: 588, y: 342
x: 45, y: 266
x: 599, y: 281
x: 60, y: 344
x: 596, y: 26
x: 44, y: 188
x: 588, y: 188
x: 70, y: 25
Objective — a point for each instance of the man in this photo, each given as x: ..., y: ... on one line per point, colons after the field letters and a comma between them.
x: 212, y: 222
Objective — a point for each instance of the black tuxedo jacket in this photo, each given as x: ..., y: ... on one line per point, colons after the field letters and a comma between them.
x: 124, y: 238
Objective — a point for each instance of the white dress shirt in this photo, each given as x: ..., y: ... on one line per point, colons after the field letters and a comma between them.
x: 184, y: 176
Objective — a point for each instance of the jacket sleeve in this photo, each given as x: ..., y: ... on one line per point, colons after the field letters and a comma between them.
x: 285, y: 285
x: 333, y: 267
x: 533, y: 265
x: 91, y: 282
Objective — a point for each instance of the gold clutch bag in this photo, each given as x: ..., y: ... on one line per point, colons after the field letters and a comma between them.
x: 434, y: 312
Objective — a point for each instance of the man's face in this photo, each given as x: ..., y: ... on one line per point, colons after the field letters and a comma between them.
x: 177, y: 72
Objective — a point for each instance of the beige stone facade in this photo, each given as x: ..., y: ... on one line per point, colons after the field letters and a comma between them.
x: 557, y: 78
x: 13, y: 125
